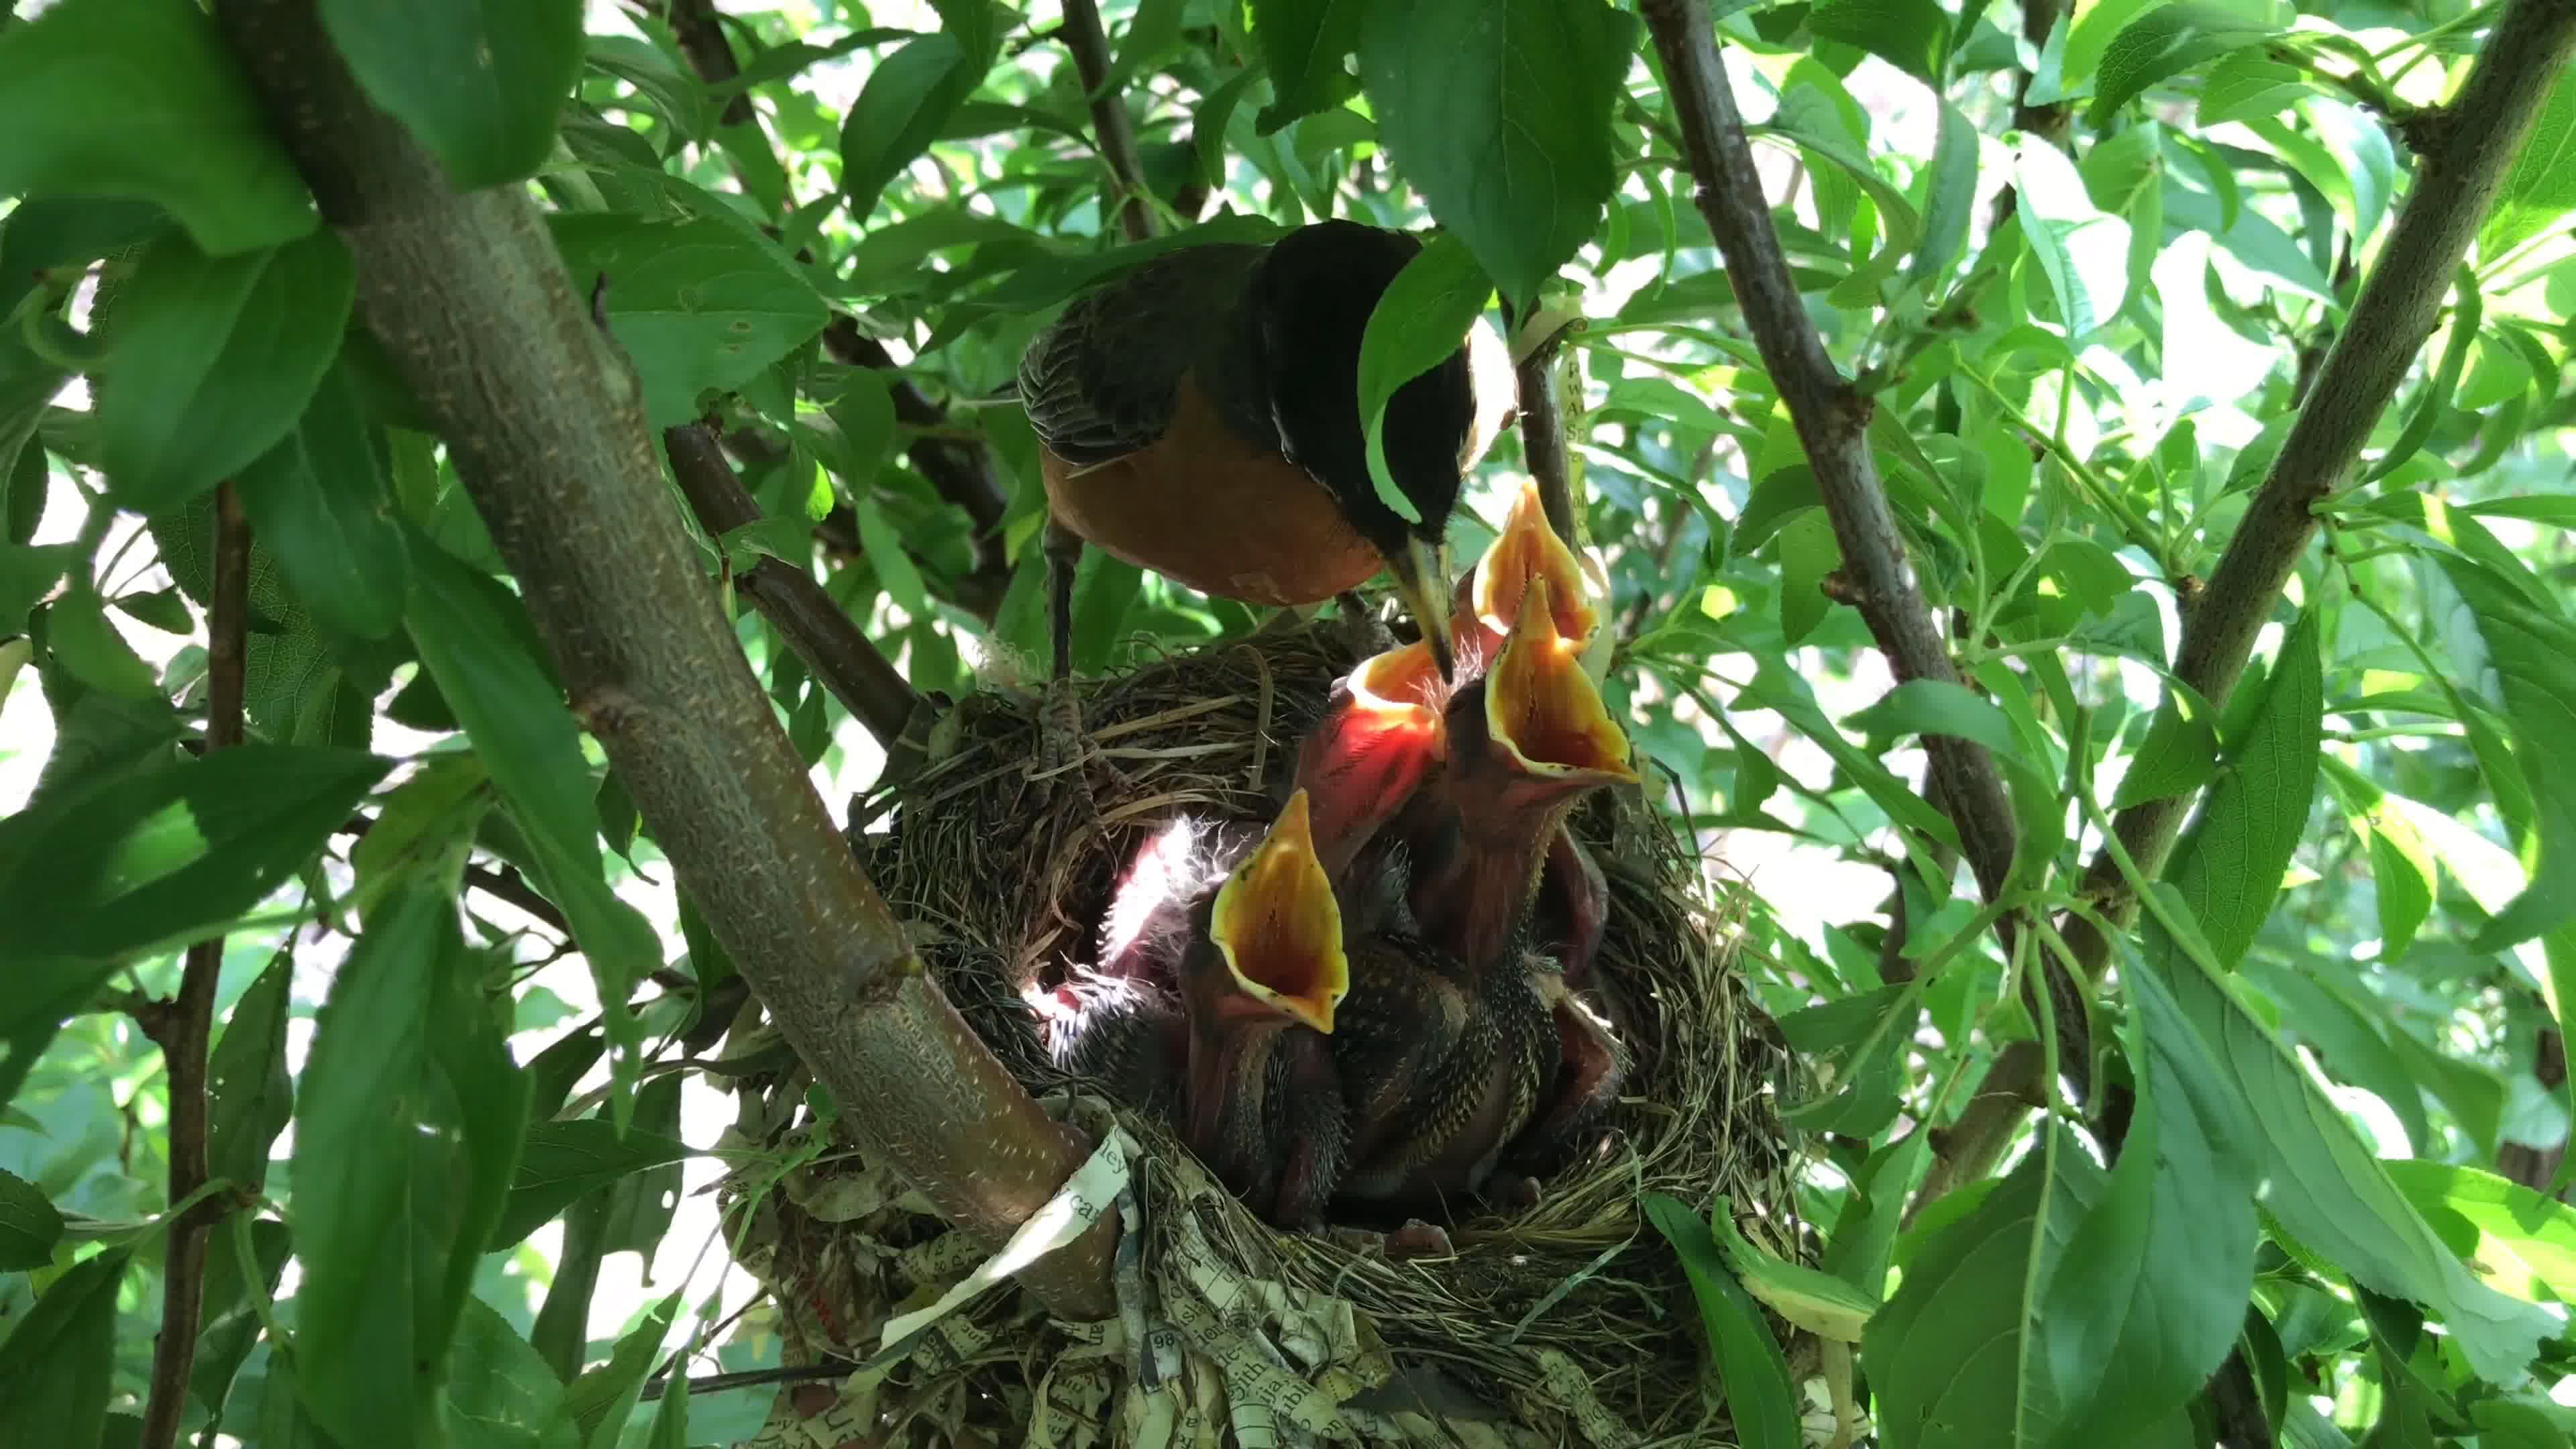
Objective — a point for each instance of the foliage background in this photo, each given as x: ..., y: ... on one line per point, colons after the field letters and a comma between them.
x: 2088, y: 268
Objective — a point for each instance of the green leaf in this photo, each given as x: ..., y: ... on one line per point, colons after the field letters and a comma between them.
x: 56, y: 1365
x: 564, y: 1161
x: 671, y: 1416
x: 27, y: 574
x: 363, y: 1155
x: 471, y: 637
x: 2179, y: 754
x: 1937, y: 707
x: 2434, y: 397
x: 2231, y: 866
x: 1808, y: 552
x: 1912, y: 35
x: 1759, y: 1396
x: 2248, y: 85
x: 423, y: 827
x: 2324, y: 1184
x: 212, y: 359
x: 88, y: 648
x: 163, y: 609
x: 699, y: 305
x: 1950, y: 196
x: 2521, y: 1242
x: 251, y: 1096
x: 2539, y: 190
x: 49, y: 232
x: 2165, y: 43
x: 232, y: 1324
x: 602, y: 1399
x: 2151, y: 1291
x: 1152, y: 31
x: 894, y: 568
x: 318, y: 503
x: 1498, y: 111
x: 1305, y: 42
x: 29, y: 1226
x: 1422, y: 318
x: 907, y: 98
x: 2083, y: 252
x: 142, y: 100
x: 500, y: 1392
x: 479, y: 84
x: 1945, y: 1354
x: 158, y: 856
x: 2529, y: 672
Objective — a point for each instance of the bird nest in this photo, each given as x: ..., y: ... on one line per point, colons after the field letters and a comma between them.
x: 1570, y: 1323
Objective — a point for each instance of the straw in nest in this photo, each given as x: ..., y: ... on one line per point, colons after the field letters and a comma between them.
x: 1569, y: 1324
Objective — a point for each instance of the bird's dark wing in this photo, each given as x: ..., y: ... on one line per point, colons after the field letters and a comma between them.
x: 1100, y: 382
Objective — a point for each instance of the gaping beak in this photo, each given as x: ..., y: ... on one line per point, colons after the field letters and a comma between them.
x: 1542, y: 708
x: 1421, y: 573
x: 1279, y: 928
x: 1525, y: 550
x: 1384, y: 736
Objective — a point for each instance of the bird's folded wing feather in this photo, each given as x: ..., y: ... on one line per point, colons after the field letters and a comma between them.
x: 1100, y: 383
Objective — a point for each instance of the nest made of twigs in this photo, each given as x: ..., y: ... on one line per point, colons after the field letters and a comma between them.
x: 1002, y: 880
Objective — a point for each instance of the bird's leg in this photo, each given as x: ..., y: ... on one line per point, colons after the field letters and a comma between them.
x: 1062, y: 741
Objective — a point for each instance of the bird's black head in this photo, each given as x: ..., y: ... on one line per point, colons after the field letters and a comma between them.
x: 1312, y: 299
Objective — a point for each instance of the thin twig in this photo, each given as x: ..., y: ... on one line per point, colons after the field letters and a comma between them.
x: 1089, y: 44
x: 702, y: 39
x: 1543, y: 435
x: 2479, y: 132
x: 544, y: 419
x: 188, y: 1025
x: 818, y: 629
x: 506, y: 885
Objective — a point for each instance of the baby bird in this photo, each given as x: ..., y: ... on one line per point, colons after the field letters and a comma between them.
x: 1442, y: 1059
x: 1260, y: 979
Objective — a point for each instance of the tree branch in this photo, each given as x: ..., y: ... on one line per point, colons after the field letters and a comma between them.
x: 188, y: 1025
x: 1089, y: 44
x: 2478, y: 134
x: 1832, y: 419
x: 702, y: 40
x: 544, y: 423
x: 817, y: 628
x: 1543, y: 435
x: 961, y: 472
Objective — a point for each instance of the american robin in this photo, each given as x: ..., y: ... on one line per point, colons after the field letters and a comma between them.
x: 1489, y: 598
x: 1443, y: 1060
x: 1125, y: 1032
x: 1526, y: 742
x: 1199, y: 416
x: 1260, y: 982
x: 1382, y: 737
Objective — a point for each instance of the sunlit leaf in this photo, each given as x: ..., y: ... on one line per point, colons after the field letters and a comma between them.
x: 1499, y: 112
x: 1759, y: 1395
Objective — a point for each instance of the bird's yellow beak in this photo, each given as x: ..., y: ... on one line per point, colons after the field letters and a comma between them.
x: 1528, y: 549
x: 1421, y: 572
x: 1278, y: 926
x: 1542, y: 707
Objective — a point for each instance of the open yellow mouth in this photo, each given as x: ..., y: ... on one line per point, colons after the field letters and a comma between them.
x: 1278, y: 926
x: 1540, y: 705
x: 1526, y: 551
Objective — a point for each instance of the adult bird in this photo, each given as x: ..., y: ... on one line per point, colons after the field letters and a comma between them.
x: 1199, y: 416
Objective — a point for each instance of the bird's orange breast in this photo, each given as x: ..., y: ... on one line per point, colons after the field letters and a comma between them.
x: 1202, y: 506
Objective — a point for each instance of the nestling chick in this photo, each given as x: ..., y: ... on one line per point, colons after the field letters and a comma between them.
x: 1260, y: 980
